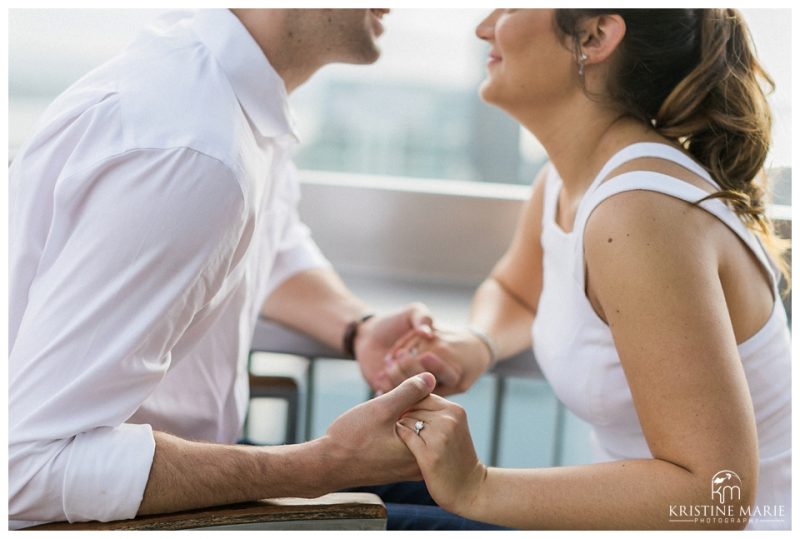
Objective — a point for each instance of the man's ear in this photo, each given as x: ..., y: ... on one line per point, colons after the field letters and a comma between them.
x: 600, y: 36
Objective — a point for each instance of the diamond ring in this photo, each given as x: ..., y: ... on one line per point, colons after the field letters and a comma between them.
x: 418, y: 426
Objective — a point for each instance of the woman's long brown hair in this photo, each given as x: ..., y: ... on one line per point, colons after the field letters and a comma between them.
x: 694, y: 76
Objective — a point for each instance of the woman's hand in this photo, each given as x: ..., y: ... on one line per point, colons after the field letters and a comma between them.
x: 456, y: 357
x: 444, y: 451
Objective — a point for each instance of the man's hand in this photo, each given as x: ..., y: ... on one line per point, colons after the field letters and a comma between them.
x: 457, y: 358
x: 377, y: 336
x: 363, y: 442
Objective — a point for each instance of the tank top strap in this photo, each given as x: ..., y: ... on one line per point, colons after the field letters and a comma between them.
x: 674, y: 187
x: 551, y: 188
x: 650, y: 150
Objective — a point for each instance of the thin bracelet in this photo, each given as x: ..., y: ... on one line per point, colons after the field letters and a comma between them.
x: 350, y: 333
x: 488, y: 342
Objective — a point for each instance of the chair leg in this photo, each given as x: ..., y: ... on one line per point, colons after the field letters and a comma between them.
x: 279, y: 387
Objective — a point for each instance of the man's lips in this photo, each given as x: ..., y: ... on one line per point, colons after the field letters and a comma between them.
x: 375, y: 16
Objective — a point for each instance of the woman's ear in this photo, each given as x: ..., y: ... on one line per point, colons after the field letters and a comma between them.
x: 600, y: 36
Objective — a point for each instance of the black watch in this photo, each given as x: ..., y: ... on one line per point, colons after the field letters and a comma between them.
x: 350, y: 334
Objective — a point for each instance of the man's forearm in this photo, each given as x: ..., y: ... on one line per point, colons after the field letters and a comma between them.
x: 316, y: 302
x: 187, y: 475
x: 360, y: 447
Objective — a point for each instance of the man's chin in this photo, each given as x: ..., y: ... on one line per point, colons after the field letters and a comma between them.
x: 373, y: 56
x: 364, y: 56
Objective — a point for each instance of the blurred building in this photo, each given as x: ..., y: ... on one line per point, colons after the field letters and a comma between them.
x: 409, y: 129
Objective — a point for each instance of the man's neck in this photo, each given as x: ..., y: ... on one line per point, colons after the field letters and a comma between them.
x: 294, y: 62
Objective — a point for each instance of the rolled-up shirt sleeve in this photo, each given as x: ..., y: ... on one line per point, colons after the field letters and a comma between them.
x: 297, y: 250
x: 138, y: 244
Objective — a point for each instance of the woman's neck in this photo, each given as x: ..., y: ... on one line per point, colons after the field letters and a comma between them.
x: 580, y: 138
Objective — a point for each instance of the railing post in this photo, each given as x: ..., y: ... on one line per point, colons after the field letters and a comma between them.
x: 497, y: 419
x: 309, y: 398
x: 558, y: 434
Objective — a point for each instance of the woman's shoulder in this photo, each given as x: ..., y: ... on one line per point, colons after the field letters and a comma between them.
x: 639, y: 224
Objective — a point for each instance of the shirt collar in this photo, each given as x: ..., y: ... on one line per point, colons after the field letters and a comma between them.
x: 259, y: 88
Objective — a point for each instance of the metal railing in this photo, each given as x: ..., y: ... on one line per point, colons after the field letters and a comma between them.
x: 300, y: 390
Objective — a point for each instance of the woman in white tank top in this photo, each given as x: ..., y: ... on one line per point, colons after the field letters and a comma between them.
x: 655, y: 309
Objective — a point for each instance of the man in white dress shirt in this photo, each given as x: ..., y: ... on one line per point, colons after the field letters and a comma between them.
x: 152, y: 212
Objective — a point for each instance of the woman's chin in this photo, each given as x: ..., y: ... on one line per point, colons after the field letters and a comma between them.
x: 490, y: 95
x: 487, y: 92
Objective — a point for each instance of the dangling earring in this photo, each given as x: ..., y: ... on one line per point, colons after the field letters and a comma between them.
x: 581, y: 59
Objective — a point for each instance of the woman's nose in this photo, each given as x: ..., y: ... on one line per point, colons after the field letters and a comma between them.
x: 485, y: 29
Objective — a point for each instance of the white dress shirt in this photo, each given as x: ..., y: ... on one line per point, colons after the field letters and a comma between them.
x: 150, y: 215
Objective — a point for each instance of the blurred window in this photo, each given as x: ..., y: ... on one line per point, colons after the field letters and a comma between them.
x: 415, y: 113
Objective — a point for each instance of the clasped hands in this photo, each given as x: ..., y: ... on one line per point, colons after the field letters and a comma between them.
x: 406, y: 434
x: 404, y: 359
x: 394, y: 348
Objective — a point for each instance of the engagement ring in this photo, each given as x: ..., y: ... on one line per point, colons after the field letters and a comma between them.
x: 418, y: 426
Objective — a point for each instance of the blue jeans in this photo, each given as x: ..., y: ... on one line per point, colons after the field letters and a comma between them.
x: 410, y: 507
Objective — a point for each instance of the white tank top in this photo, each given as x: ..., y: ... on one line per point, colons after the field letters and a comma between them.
x: 576, y: 352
